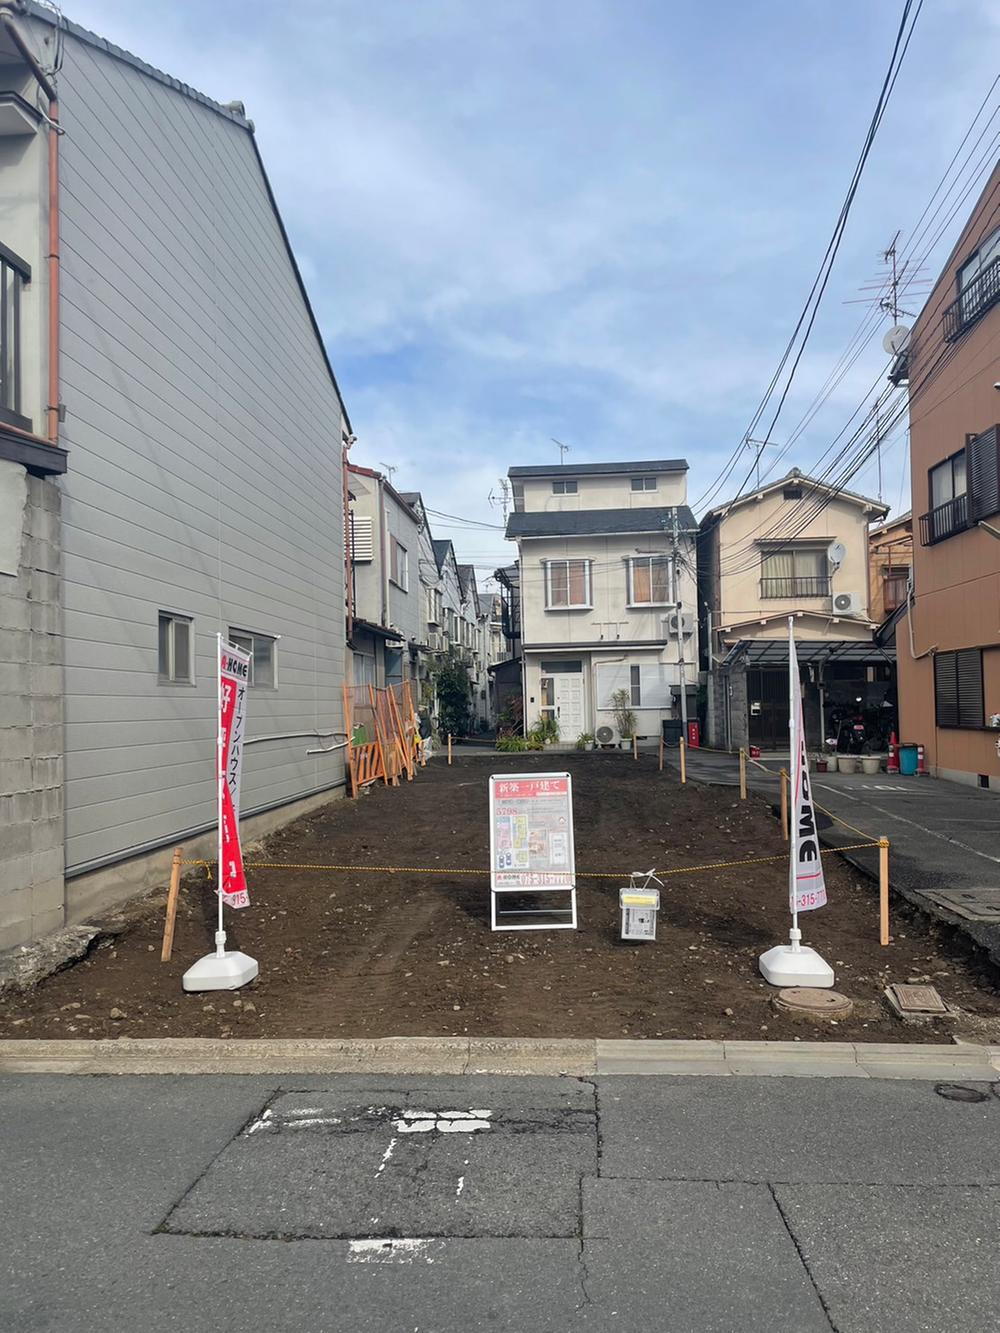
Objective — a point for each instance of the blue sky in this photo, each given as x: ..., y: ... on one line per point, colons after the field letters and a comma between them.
x: 595, y: 220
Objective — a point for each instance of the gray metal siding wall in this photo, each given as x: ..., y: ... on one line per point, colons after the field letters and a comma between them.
x: 204, y: 436
x: 404, y: 606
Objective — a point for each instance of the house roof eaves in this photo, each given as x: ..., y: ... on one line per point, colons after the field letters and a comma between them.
x: 795, y: 476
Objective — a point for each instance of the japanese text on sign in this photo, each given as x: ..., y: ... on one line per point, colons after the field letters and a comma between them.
x: 531, y: 832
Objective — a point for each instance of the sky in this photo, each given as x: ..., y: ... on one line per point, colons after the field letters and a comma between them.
x: 589, y: 220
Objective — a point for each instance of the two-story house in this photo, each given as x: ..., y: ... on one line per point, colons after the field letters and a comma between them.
x: 949, y: 648
x: 170, y: 468
x: 793, y: 547
x: 386, y: 625
x: 607, y: 590
x: 890, y: 561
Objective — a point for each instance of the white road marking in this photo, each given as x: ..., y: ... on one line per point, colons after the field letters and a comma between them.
x: 393, y: 1251
x: 461, y: 1186
x: 445, y: 1122
x: 385, y: 1157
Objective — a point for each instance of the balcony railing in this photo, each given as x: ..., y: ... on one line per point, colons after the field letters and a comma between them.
x: 944, y: 521
x: 795, y: 586
x: 977, y: 298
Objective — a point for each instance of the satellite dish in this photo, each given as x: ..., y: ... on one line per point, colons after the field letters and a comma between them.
x: 896, y: 339
x: 836, y: 553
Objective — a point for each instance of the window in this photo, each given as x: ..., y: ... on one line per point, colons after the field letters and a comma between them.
x: 894, y: 585
x: 560, y: 666
x: 564, y: 488
x: 263, y: 666
x: 644, y: 483
x: 14, y: 273
x: 977, y: 287
x: 362, y: 538
x: 399, y: 569
x: 946, y: 485
x: 175, y: 657
x: 649, y: 580
x: 958, y: 688
x: 798, y: 571
x: 984, y: 473
x: 567, y: 583
x: 635, y: 686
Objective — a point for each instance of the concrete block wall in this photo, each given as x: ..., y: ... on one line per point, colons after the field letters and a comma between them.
x: 32, y: 883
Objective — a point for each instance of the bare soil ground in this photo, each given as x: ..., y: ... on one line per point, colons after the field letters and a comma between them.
x: 366, y: 955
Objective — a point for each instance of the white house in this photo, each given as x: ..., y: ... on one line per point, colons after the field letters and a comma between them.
x: 608, y: 592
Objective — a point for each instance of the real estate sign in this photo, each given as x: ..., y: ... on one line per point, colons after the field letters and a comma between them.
x: 234, y: 677
x: 531, y: 831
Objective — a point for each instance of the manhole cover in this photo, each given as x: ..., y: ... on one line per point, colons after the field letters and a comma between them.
x: 915, y: 1000
x: 980, y: 903
x: 814, y: 1003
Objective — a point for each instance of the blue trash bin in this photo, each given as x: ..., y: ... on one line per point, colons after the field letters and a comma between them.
x: 908, y: 760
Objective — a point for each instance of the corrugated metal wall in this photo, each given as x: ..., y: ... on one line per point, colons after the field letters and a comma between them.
x: 204, y: 435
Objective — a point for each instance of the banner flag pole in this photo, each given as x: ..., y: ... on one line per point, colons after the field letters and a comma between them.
x: 227, y: 969
x: 793, y: 964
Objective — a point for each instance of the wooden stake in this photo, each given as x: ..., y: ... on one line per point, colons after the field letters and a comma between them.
x: 784, y: 804
x: 743, y: 775
x: 171, y: 917
x: 635, y: 746
x: 661, y: 751
x: 449, y: 747
x: 883, y: 890
x: 684, y: 767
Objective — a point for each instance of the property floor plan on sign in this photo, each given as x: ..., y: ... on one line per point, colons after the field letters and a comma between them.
x: 531, y: 828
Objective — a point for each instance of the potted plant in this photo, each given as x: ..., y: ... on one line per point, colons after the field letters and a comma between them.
x: 870, y: 763
x: 621, y: 704
x: 820, y: 763
x: 831, y: 745
x: 584, y: 741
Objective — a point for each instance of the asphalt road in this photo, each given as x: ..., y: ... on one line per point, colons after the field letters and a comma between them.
x: 541, y: 1205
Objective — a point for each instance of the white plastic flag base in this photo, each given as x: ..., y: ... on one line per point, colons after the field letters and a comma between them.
x: 221, y: 970
x: 795, y: 965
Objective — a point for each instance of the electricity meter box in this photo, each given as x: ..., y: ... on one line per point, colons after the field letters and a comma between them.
x: 639, y: 909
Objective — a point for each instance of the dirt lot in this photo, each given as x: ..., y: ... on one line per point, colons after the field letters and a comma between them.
x: 364, y: 955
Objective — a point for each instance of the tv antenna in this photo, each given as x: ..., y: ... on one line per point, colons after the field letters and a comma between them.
x: 760, y: 446
x: 391, y: 469
x: 501, y: 501
x: 564, y: 449
x: 899, y: 279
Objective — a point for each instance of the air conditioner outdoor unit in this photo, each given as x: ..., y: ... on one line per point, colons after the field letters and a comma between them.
x: 605, y: 735
x: 848, y: 603
x: 686, y: 625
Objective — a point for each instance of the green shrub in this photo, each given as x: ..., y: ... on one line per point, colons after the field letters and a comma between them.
x: 512, y: 743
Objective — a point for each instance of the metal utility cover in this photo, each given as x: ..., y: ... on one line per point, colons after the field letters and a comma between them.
x: 348, y: 1166
x: 918, y: 999
x: 981, y: 903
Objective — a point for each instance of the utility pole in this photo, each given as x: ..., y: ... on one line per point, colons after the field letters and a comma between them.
x: 675, y: 578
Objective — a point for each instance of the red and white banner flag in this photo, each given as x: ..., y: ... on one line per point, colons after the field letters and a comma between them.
x: 806, y: 885
x: 234, y: 677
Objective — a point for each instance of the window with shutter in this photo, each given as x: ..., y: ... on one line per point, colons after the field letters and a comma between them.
x: 958, y: 688
x: 984, y: 474
x: 363, y: 540
x: 945, y: 690
x: 969, y: 676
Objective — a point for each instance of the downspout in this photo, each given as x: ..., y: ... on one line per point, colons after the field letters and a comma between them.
x: 384, y: 557
x: 348, y: 543
x: 52, y: 258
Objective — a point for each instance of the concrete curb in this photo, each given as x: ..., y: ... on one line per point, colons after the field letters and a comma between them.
x: 457, y: 1055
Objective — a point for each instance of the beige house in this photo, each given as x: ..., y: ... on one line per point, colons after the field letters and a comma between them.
x: 890, y: 559
x: 608, y: 592
x: 793, y: 547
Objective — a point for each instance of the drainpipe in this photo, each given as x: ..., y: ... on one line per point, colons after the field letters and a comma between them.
x: 52, y: 257
x: 348, y: 542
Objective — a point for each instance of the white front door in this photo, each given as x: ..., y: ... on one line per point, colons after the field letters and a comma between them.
x: 568, y: 698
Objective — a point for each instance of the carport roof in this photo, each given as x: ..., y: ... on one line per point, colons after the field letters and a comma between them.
x: 774, y: 652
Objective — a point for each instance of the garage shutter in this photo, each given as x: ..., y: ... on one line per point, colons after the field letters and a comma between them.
x: 984, y: 474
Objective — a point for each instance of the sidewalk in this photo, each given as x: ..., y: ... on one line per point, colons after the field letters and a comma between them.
x: 945, y: 836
